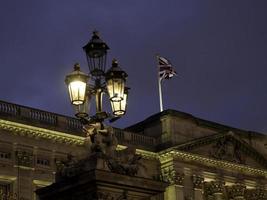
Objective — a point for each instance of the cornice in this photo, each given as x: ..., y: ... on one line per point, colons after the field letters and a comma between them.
x: 231, y: 137
x: 149, y: 155
x: 166, y: 156
x: 36, y: 132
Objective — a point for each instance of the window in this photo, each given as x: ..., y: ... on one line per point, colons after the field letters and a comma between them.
x: 43, y: 162
x: 4, y: 155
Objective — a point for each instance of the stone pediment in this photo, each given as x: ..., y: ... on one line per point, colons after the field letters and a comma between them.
x: 227, y: 147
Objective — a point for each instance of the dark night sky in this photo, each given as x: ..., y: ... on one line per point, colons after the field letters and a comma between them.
x: 217, y: 47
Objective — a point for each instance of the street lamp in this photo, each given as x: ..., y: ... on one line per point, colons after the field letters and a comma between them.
x: 76, y: 82
x: 83, y: 86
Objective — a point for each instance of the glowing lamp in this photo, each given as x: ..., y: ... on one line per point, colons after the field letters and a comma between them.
x: 115, y: 82
x: 76, y: 82
x: 83, y: 110
x: 119, y: 107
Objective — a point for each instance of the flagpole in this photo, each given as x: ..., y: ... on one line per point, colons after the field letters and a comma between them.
x: 159, y: 83
x: 160, y: 95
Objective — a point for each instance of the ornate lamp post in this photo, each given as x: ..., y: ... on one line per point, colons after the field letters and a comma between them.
x: 105, y: 172
x: 82, y: 87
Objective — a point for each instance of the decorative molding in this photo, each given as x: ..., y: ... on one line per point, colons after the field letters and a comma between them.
x: 24, y: 158
x: 60, y: 137
x: 256, y: 194
x: 221, y: 148
x: 147, y: 154
x: 198, y: 181
x: 7, y: 178
x: 172, y: 176
x: 170, y: 154
x: 217, y: 187
x: 41, y: 183
x: 227, y: 149
x: 36, y: 132
x: 237, y: 190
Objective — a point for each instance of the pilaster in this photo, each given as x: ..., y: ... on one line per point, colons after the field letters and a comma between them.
x: 198, y: 182
x: 176, y: 188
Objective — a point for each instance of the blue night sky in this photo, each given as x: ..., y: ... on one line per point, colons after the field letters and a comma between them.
x: 218, y: 49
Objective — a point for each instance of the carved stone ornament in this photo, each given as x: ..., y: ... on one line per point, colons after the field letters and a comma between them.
x: 256, y: 194
x: 198, y: 181
x: 226, y: 149
x: 102, y: 145
x: 125, y: 162
x: 7, y: 195
x: 67, y: 168
x: 238, y: 190
x: 172, y: 176
x: 216, y: 187
x: 213, y: 189
x: 24, y: 158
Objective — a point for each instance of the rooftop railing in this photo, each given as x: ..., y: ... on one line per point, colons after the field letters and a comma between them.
x: 41, y: 118
x: 126, y: 137
x: 70, y: 125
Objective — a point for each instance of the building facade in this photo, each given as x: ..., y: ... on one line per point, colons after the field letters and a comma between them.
x: 198, y: 159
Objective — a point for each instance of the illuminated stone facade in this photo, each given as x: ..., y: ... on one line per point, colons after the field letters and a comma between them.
x: 198, y: 159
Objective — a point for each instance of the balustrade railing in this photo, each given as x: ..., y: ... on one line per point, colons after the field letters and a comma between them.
x: 74, y: 124
x: 30, y: 115
x: 134, y: 138
x: 45, y: 117
x: 42, y: 117
x: 9, y: 108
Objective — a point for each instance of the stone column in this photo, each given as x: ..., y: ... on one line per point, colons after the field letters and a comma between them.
x: 217, y: 189
x: 198, y: 187
x: 179, y: 186
x: 238, y: 191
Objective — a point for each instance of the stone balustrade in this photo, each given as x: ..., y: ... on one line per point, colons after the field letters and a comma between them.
x: 39, y: 118
x: 48, y: 120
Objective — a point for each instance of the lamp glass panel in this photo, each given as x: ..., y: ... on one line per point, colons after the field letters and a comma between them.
x: 124, y: 102
x: 115, y: 89
x: 82, y: 110
x: 119, y: 107
x: 77, y: 90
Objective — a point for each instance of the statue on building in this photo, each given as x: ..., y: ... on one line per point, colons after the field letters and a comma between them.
x: 102, y: 143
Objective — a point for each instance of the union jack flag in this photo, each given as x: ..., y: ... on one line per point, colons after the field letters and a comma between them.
x: 166, y: 70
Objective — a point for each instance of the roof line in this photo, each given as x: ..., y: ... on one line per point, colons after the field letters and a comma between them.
x: 138, y: 127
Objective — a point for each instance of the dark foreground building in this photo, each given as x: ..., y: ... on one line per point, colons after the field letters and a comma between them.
x: 170, y: 155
